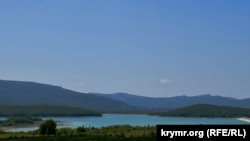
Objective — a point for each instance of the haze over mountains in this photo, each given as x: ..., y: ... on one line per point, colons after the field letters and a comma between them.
x: 178, y: 101
x: 30, y: 93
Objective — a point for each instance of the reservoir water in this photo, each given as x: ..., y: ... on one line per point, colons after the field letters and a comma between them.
x: 132, y: 119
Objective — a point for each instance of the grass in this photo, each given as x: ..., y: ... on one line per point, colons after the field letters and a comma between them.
x: 110, y: 133
x: 94, y: 138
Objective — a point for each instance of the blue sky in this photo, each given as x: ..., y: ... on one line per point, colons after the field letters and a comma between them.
x: 145, y: 47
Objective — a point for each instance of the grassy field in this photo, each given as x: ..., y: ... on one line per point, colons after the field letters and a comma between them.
x: 97, y: 138
x: 110, y: 133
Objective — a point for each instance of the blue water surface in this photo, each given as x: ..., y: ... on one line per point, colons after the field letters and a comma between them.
x: 132, y: 119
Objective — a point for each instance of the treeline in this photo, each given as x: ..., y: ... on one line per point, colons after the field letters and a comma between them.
x: 110, y: 133
x: 44, y: 110
x: 205, y: 110
x: 17, y: 121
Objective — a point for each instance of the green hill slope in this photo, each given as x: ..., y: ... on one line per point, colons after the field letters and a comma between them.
x: 44, y: 110
x: 205, y: 110
x: 30, y: 93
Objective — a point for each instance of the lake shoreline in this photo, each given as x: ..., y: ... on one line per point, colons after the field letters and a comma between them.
x: 245, y: 119
x: 34, y: 125
x: 7, y: 128
x: 131, y: 119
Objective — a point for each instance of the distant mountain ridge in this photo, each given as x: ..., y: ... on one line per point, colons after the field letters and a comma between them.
x: 178, y: 101
x: 31, y: 93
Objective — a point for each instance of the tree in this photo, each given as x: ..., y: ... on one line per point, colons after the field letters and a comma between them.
x: 48, y: 127
x: 80, y: 129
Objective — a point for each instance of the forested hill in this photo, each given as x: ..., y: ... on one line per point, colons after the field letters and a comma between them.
x: 44, y: 110
x: 205, y: 110
x: 30, y: 93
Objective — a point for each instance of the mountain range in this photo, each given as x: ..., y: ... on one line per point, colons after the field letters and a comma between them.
x: 32, y: 93
x: 177, y: 101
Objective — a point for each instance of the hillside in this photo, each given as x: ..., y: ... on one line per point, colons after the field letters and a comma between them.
x: 205, y: 110
x: 30, y: 93
x: 178, y: 101
x: 43, y: 110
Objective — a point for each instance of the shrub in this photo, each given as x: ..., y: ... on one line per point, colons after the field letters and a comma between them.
x: 48, y: 127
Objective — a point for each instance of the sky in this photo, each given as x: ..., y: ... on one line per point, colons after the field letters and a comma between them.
x: 160, y: 48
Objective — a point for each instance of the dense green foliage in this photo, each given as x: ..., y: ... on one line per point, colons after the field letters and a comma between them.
x: 44, y: 110
x: 97, y: 138
x: 48, y: 127
x: 111, y: 133
x: 18, y: 121
x: 204, y: 110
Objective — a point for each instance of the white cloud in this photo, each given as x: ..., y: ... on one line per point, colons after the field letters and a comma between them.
x: 165, y: 81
